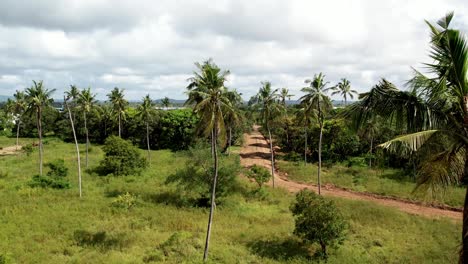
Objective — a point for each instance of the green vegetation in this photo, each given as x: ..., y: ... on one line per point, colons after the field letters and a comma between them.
x: 259, y: 174
x: 57, y: 227
x: 121, y: 158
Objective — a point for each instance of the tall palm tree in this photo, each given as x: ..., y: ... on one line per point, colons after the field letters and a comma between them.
x: 72, y: 96
x: 233, y: 118
x: 434, y: 112
x: 145, y: 112
x: 37, y: 98
x: 18, y: 108
x: 344, y: 89
x: 86, y: 101
x: 116, y: 96
x: 304, y: 118
x: 67, y: 108
x: 266, y: 100
x: 284, y: 93
x: 317, y: 103
x: 207, y: 92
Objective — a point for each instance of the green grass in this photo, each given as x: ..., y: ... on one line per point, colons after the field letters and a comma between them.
x: 55, y: 226
x: 389, y: 182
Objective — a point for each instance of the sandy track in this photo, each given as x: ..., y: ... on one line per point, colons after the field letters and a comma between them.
x: 256, y: 151
x: 9, y: 150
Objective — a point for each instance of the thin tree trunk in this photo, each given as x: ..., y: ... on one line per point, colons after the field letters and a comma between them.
x: 320, y: 156
x: 272, y: 158
x: 229, y: 144
x: 213, y: 193
x: 17, y: 134
x: 212, y: 144
x: 39, y: 130
x: 147, y: 142
x: 464, y: 249
x: 305, y: 146
x: 120, y: 126
x: 87, y: 137
x: 370, y: 151
x: 77, y: 148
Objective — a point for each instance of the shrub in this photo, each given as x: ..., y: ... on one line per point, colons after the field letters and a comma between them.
x: 259, y: 174
x: 197, y: 176
x: 181, y: 245
x: 318, y: 221
x: 57, y: 168
x: 100, y: 239
x: 121, y: 158
x: 125, y: 201
x: 28, y: 149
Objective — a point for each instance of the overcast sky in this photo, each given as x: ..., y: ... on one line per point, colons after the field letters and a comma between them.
x: 147, y: 46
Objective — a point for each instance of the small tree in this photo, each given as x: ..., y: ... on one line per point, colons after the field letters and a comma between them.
x: 318, y: 221
x: 121, y: 158
x: 259, y: 174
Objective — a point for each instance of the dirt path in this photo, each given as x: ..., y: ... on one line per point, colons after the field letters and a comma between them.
x: 9, y: 150
x: 256, y: 151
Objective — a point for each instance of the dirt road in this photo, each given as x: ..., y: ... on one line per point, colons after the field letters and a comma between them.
x: 256, y: 151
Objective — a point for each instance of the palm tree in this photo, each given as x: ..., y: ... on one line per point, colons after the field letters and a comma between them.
x: 344, y: 89
x: 72, y: 95
x: 86, y: 101
x: 317, y: 103
x: 18, y: 108
x: 37, y: 98
x: 266, y: 100
x: 206, y: 90
x: 304, y: 118
x: 166, y: 102
x: 145, y: 112
x: 284, y: 93
x: 116, y: 97
x: 434, y: 112
x: 67, y: 107
x: 233, y: 118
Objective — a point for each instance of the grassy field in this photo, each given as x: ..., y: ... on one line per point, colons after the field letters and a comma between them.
x: 389, y: 182
x: 55, y: 226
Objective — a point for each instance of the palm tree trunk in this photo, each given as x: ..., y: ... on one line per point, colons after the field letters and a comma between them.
x: 147, y: 142
x: 370, y: 151
x: 464, y: 249
x: 230, y: 139
x: 320, y: 156
x: 213, y: 193
x: 87, y: 137
x: 305, y: 145
x: 272, y: 158
x: 120, y: 126
x: 39, y: 130
x: 17, y: 134
x: 77, y: 148
x: 345, y: 100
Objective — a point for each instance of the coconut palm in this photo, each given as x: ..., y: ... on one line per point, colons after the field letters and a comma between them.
x: 166, y: 102
x: 344, y: 89
x: 86, y: 101
x: 317, y: 103
x: 207, y: 92
x: 304, y: 118
x: 72, y: 98
x: 145, y: 112
x: 434, y: 113
x: 67, y: 108
x: 37, y: 98
x: 119, y: 104
x: 233, y: 118
x: 267, y: 100
x: 18, y: 108
x: 284, y: 93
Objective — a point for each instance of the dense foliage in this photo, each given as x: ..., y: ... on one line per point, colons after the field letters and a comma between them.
x: 121, y: 158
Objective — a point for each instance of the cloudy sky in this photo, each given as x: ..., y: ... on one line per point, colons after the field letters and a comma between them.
x: 147, y: 46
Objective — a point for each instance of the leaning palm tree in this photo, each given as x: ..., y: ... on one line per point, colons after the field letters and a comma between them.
x: 18, y: 108
x: 67, y: 108
x: 266, y: 100
x: 37, y: 98
x: 116, y: 97
x: 72, y: 96
x: 434, y: 112
x: 86, y: 101
x: 207, y: 92
x: 344, y: 89
x: 317, y: 103
x: 145, y: 112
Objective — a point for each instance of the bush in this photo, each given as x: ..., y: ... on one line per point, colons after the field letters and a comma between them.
x: 57, y: 168
x: 28, y: 148
x: 125, y: 201
x: 181, y: 245
x: 259, y: 174
x: 318, y: 221
x: 197, y: 177
x: 121, y: 158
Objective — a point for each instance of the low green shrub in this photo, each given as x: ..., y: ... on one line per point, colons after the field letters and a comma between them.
x: 317, y: 220
x: 28, y: 149
x: 121, y: 158
x: 125, y: 201
x: 57, y: 168
x: 48, y: 182
x: 259, y: 174
x: 100, y: 239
